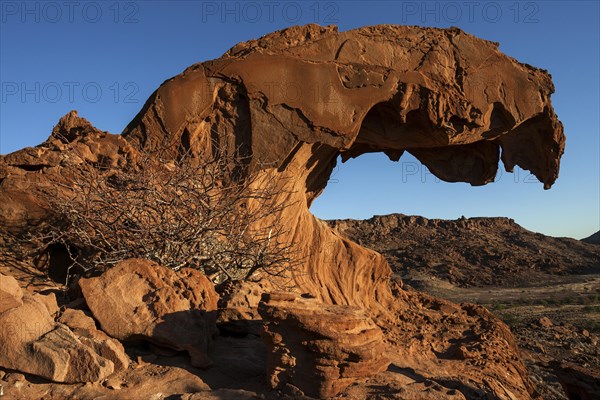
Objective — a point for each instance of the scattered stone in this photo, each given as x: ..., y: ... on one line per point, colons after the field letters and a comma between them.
x: 104, y: 345
x: 545, y: 322
x: 31, y: 342
x: 585, y: 333
x: 71, y: 360
x: 85, y: 327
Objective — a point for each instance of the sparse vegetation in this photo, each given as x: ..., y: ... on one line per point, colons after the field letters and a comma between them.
x: 211, y: 212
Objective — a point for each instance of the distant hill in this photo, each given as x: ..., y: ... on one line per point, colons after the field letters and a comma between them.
x: 593, y: 239
x: 470, y: 251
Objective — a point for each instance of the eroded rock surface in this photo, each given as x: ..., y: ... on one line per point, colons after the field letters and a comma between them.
x: 139, y: 299
x: 299, y: 98
x: 579, y: 383
x: 238, y: 307
x: 295, y: 100
x: 319, y: 349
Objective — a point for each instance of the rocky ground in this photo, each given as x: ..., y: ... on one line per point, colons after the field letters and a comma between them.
x: 546, y: 289
x: 556, y: 323
x: 308, y: 342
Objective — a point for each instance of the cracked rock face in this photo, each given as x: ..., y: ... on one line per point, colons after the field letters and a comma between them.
x: 295, y: 100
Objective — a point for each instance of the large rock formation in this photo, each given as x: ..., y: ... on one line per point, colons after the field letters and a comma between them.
x: 139, y: 299
x: 299, y: 98
x: 295, y: 100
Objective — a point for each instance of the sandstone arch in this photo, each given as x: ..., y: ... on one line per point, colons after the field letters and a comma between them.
x: 299, y: 98
x: 305, y: 95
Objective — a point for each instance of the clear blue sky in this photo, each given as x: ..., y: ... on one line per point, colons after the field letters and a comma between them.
x: 104, y: 58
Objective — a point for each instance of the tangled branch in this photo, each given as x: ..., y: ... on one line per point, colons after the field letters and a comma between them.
x: 216, y: 213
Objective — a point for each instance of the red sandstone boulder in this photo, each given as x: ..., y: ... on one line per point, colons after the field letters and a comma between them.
x: 85, y: 328
x: 317, y: 348
x: 141, y: 299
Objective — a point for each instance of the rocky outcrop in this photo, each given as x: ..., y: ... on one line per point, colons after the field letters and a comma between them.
x: 139, y: 299
x: 299, y: 98
x: 294, y: 101
x: 319, y: 349
x: 31, y: 342
x: 28, y: 174
x: 469, y: 251
x: 461, y: 347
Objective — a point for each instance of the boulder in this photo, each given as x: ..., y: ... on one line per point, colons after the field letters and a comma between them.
x: 139, y: 299
x: 67, y: 359
x: 85, y: 328
x: 107, y: 347
x: 49, y: 300
x: 77, y: 319
x: 31, y: 342
x: 11, y: 295
x: 317, y: 348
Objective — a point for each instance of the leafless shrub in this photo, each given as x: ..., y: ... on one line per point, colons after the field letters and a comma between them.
x: 216, y: 213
